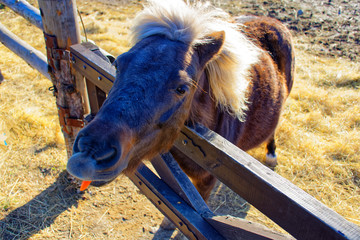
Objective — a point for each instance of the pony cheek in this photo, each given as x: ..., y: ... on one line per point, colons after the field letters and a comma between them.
x: 171, y: 111
x: 168, y: 137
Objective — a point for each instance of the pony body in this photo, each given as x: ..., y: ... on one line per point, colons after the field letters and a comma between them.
x: 188, y: 65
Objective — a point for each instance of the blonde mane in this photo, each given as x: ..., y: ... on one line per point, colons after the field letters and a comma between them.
x: 190, y: 23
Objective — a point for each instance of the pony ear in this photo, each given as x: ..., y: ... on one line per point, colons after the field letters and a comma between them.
x: 209, y: 47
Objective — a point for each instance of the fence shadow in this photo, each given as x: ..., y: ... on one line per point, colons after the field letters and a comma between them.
x: 41, y: 211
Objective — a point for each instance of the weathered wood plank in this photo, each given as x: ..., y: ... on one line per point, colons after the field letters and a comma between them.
x: 292, y: 208
x: 189, y: 222
x: 30, y: 55
x: 229, y: 227
x: 238, y: 229
x: 26, y: 10
x: 96, y: 97
x: 82, y: 88
x: 170, y: 172
x: 93, y: 67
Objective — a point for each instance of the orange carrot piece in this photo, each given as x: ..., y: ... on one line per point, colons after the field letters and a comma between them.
x: 84, y: 185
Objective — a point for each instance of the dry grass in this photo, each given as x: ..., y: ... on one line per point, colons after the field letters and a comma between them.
x: 318, y: 145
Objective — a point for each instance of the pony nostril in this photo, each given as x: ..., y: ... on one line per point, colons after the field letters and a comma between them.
x: 105, y: 154
x: 76, y: 146
x: 80, y: 144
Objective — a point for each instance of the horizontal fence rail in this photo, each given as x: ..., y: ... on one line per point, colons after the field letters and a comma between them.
x: 26, y: 10
x: 33, y: 57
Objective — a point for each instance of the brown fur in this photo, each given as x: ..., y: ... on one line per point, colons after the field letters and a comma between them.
x: 271, y: 80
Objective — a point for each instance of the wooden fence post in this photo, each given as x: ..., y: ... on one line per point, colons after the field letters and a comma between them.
x: 61, y: 30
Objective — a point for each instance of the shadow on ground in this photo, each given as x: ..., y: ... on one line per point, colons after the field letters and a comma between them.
x: 41, y: 211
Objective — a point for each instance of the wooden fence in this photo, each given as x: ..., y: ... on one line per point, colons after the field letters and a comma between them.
x: 82, y: 77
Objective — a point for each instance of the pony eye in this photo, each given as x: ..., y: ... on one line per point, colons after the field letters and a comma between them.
x: 181, y: 90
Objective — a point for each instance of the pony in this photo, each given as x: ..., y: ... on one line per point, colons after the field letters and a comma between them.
x: 189, y: 64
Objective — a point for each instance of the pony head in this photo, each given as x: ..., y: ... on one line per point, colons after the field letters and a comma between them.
x: 175, y: 45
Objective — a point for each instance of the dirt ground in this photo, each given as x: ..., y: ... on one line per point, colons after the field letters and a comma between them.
x: 56, y: 210
x: 331, y: 27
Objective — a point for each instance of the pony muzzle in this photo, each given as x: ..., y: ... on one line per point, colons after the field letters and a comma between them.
x: 95, y: 159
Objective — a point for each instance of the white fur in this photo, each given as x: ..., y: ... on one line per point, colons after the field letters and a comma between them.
x: 271, y: 160
x: 177, y: 20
